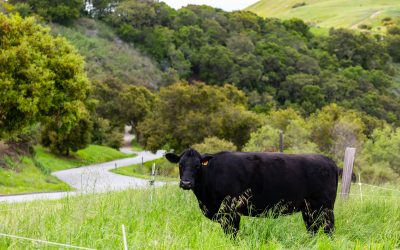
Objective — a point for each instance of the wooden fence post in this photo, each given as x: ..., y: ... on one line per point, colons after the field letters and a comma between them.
x: 347, y: 171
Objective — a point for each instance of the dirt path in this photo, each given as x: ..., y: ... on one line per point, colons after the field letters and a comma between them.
x: 94, y: 178
x: 372, y: 16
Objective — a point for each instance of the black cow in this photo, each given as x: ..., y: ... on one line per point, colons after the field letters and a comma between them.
x: 230, y: 184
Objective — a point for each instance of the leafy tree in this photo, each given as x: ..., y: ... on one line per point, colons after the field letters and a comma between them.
x: 214, y: 145
x: 186, y: 114
x: 42, y: 78
x: 383, y: 148
x: 137, y: 14
x: 298, y: 26
x: 265, y: 139
x: 357, y: 49
x: 334, y: 128
x: 55, y: 10
x: 101, y: 8
x: 134, y: 103
x: 296, y: 133
x: 214, y: 63
x: 393, y: 47
x: 76, y: 138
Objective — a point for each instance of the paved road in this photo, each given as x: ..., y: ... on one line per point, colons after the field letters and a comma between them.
x: 94, y: 178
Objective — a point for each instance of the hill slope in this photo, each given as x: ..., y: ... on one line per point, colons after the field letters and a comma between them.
x: 330, y: 13
x: 107, y: 56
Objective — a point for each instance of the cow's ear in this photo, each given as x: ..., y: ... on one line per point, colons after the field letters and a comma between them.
x: 205, y: 158
x: 172, y: 157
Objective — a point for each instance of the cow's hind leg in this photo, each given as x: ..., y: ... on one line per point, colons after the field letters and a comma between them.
x: 317, y: 218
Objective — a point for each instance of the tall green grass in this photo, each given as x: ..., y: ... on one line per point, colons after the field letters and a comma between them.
x: 26, y: 177
x: 172, y: 220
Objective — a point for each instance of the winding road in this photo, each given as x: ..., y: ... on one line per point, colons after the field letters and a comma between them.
x: 95, y: 178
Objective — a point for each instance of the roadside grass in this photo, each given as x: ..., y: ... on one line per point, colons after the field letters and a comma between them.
x: 26, y: 177
x: 90, y: 155
x: 33, y: 174
x: 173, y: 220
x: 165, y: 171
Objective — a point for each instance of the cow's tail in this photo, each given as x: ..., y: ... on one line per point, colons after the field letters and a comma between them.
x: 338, y: 171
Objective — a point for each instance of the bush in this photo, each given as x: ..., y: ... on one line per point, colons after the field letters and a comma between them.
x: 297, y: 5
x: 214, y: 145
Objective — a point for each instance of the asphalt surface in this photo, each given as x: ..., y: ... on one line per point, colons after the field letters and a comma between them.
x: 95, y: 178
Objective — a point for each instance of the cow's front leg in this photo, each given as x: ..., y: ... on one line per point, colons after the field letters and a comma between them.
x: 228, y: 217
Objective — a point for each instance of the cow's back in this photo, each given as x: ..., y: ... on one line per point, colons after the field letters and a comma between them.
x: 275, y: 179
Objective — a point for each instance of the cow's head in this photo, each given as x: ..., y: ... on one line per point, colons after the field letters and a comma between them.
x: 190, y: 162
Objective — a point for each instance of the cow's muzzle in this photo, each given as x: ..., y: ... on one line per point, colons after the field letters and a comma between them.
x: 186, y: 185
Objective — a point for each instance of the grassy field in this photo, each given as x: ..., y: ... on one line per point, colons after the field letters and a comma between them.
x: 90, y: 155
x: 26, y: 177
x: 33, y: 174
x: 172, y: 220
x: 165, y: 171
x: 331, y: 13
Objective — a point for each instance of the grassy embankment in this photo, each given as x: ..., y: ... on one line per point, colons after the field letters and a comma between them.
x: 331, y: 13
x: 33, y: 174
x: 172, y: 220
x: 165, y: 171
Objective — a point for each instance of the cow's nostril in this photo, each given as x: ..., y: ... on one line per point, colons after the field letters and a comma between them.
x: 185, y: 184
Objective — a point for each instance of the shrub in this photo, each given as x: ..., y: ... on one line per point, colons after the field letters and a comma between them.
x: 214, y: 145
x: 297, y: 5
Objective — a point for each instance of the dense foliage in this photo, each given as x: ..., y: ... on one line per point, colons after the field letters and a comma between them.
x: 42, y: 78
x: 214, y: 145
x: 186, y: 114
x: 282, y: 59
x: 259, y: 77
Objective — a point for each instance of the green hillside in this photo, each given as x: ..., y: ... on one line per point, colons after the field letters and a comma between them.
x: 107, y: 56
x: 330, y: 13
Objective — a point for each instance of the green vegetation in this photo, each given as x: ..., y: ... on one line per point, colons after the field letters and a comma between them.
x: 165, y: 171
x: 90, y: 155
x: 185, y: 114
x: 24, y: 174
x: 107, y: 56
x: 214, y: 145
x: 26, y: 177
x: 135, y: 145
x: 36, y: 72
x: 173, y: 220
x: 233, y: 76
x: 330, y: 13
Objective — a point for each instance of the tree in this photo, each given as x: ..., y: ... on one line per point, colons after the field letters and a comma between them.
x: 76, y: 138
x: 137, y: 14
x: 334, y: 128
x: 265, y: 139
x: 384, y: 147
x: 42, y: 78
x: 214, y: 64
x: 185, y: 114
x: 134, y: 104
x: 55, y: 10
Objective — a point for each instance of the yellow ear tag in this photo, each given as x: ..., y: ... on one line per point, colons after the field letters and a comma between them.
x: 205, y: 163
